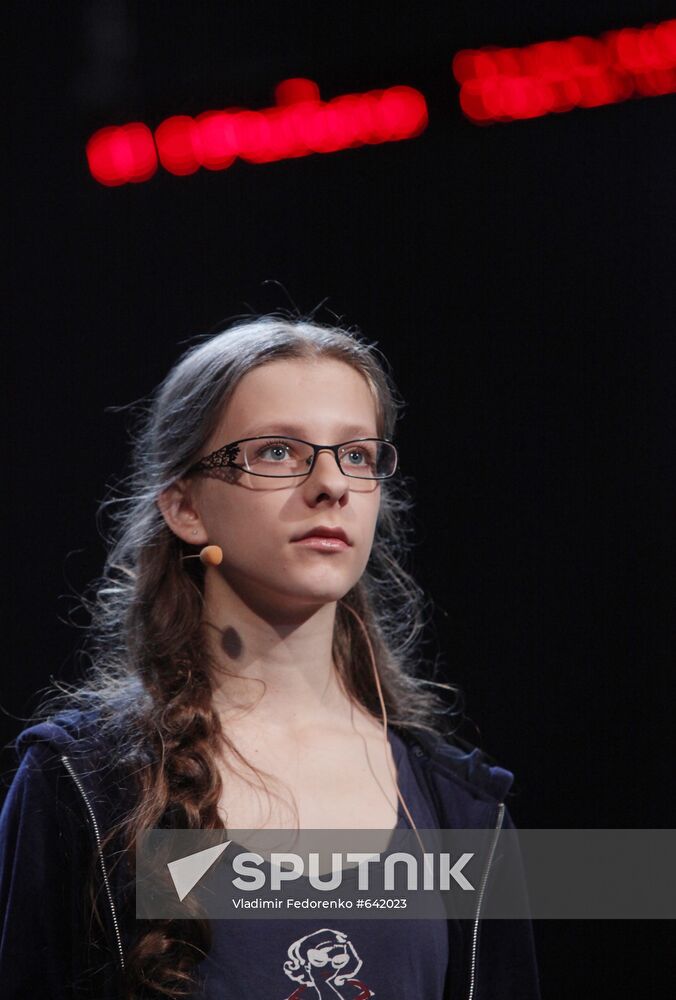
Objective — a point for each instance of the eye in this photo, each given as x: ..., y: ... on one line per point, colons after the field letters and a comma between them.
x: 274, y: 452
x: 278, y: 451
x: 356, y: 455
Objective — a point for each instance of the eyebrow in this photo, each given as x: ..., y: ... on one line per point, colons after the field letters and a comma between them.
x: 293, y: 430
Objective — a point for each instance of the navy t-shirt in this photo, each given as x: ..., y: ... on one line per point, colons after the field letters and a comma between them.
x: 329, y: 956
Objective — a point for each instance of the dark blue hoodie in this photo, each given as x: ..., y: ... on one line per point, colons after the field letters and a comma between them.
x: 68, y: 791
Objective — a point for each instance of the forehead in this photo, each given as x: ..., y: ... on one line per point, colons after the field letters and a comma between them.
x: 301, y: 396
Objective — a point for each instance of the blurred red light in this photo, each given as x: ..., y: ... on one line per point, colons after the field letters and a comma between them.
x: 402, y: 112
x: 463, y: 65
x: 295, y: 90
x: 122, y: 154
x: 496, y: 84
x: 251, y: 136
x: 505, y: 84
x: 288, y: 129
x: 665, y: 40
x: 473, y: 101
x: 364, y: 113
x: 624, y: 46
x: 298, y: 124
x: 216, y: 139
x: 178, y: 145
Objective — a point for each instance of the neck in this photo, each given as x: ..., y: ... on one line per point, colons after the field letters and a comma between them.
x: 290, y: 649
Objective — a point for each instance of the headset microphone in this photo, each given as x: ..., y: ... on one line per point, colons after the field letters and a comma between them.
x: 211, y: 555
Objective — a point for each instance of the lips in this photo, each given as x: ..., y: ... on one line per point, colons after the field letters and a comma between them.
x: 324, y: 531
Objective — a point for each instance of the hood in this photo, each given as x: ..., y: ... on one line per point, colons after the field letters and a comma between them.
x: 90, y: 758
x: 61, y: 732
x: 470, y: 764
x: 75, y: 735
x: 467, y: 787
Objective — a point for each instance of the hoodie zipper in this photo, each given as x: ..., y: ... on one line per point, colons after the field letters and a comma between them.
x: 418, y: 751
x: 482, y: 889
x: 76, y: 779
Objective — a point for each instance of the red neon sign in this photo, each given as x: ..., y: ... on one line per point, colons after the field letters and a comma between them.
x: 505, y: 84
x: 298, y: 124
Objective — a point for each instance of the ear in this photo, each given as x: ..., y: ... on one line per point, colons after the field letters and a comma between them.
x: 177, y: 507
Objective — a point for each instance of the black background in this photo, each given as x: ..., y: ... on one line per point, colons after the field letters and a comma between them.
x: 520, y: 278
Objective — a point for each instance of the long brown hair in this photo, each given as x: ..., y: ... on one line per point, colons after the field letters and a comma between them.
x: 150, y: 676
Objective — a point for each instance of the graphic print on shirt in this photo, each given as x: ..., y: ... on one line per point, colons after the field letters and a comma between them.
x: 325, y: 963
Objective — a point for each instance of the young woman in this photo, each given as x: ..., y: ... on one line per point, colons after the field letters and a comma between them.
x: 254, y: 667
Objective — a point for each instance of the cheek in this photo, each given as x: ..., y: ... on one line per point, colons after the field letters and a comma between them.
x: 248, y: 526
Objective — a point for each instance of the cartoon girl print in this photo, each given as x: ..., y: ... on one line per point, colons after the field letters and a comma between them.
x: 325, y: 963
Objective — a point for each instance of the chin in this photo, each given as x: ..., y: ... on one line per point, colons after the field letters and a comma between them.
x: 321, y: 596
x: 323, y: 592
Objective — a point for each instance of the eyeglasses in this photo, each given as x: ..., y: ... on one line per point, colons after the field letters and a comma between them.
x: 362, y: 458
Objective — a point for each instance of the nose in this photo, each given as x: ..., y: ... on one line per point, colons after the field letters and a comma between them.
x: 326, y: 481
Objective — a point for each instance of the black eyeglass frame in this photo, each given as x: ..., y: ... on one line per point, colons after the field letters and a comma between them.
x: 223, y: 457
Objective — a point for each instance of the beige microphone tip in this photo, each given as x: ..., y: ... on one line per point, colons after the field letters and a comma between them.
x: 212, y: 555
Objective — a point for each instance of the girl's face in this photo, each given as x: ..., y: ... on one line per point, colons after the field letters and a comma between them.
x: 258, y: 521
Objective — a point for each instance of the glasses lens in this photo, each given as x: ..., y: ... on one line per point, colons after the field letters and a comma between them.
x: 276, y: 456
x: 372, y: 459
